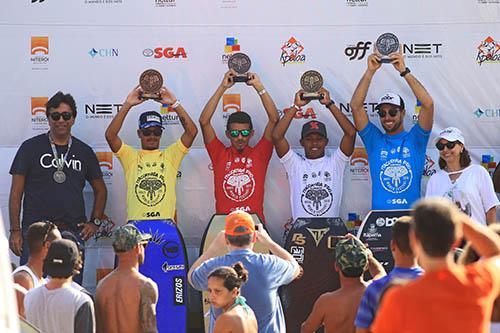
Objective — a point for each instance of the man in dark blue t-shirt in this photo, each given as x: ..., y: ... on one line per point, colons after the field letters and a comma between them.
x: 48, y: 176
x: 396, y: 157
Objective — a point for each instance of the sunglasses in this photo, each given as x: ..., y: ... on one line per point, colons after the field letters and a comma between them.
x: 450, y: 145
x: 155, y: 132
x: 235, y: 133
x: 392, y: 113
x: 55, y: 116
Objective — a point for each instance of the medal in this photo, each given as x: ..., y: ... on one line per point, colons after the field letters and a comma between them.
x: 59, y: 177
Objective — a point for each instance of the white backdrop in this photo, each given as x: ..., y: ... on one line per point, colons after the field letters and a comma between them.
x: 96, y: 50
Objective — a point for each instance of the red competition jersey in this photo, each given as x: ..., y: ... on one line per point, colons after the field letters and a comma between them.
x: 239, y: 177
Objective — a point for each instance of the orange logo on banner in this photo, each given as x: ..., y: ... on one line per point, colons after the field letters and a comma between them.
x: 231, y: 102
x: 105, y: 159
x: 38, y: 105
x: 40, y: 45
x: 359, y: 157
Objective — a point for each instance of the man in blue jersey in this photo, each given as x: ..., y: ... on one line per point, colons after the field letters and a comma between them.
x: 396, y: 157
x: 405, y: 267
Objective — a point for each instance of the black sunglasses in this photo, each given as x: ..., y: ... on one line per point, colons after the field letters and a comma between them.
x: 148, y: 132
x: 235, y: 133
x: 450, y: 145
x: 55, y: 116
x: 392, y: 112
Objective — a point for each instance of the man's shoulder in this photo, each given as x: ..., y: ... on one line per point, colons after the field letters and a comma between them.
x: 36, y: 140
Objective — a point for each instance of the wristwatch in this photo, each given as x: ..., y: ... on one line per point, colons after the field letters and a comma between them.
x: 406, y: 71
x: 95, y: 221
x: 327, y: 105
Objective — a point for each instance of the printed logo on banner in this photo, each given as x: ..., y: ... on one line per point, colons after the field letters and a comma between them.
x: 358, y: 51
x: 37, y: 1
x: 39, y: 51
x: 168, y: 115
x: 429, y: 166
x: 306, y: 114
x: 102, y: 110
x: 105, y: 159
x: 103, y: 53
x: 292, y: 52
x: 487, y: 114
x: 230, y: 47
x: 165, y: 3
x: 165, y: 52
x: 38, y: 118
x: 418, y: 107
x: 423, y: 50
x: 368, y: 106
x: 488, y: 162
x: 230, y: 103
x: 372, y: 234
x: 358, y: 165
x: 488, y: 2
x: 357, y: 3
x: 488, y: 51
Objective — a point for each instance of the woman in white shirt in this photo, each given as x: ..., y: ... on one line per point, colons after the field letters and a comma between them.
x: 468, y: 185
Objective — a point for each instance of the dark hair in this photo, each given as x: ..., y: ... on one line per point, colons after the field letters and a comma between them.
x: 353, y: 272
x: 435, y: 226
x: 239, y: 117
x: 241, y: 240
x: 59, y: 98
x: 39, y: 233
x: 464, y: 160
x: 233, y: 276
x: 400, y: 234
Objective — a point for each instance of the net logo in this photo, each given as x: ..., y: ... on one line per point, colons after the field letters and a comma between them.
x: 38, y: 117
x: 165, y: 52
x: 358, y: 164
x: 230, y: 47
x: 39, y: 1
x: 292, y: 52
x: 39, y: 50
x: 487, y: 113
x: 103, y: 53
x: 231, y: 103
x: 358, y: 51
x: 102, y: 110
x: 368, y: 106
x: 105, y: 159
x: 488, y: 52
x: 422, y: 50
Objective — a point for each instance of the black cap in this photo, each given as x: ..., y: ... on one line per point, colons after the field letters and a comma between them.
x: 61, y: 258
x: 69, y: 235
x: 313, y: 126
x: 150, y: 119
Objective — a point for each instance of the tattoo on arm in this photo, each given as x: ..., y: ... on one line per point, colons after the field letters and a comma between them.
x: 149, y: 298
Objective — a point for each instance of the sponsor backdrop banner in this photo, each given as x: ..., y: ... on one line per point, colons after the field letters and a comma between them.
x: 96, y: 50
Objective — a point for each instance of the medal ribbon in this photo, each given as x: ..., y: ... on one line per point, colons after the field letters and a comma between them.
x: 59, y: 161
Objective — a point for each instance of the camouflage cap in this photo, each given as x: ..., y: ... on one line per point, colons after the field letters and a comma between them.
x: 351, y: 254
x: 128, y: 236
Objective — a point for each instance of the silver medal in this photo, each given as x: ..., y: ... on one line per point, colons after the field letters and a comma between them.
x: 59, y: 177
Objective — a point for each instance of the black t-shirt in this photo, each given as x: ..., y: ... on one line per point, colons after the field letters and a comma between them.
x: 43, y: 197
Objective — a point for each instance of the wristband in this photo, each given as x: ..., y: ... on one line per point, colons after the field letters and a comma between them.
x: 406, y: 71
x: 294, y: 106
x: 176, y: 104
x: 262, y: 92
x: 327, y: 105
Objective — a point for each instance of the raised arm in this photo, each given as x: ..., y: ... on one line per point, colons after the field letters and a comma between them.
x: 359, y: 96
x: 215, y: 247
x: 426, y: 115
x: 190, y: 130
x: 349, y: 137
x: 115, y: 126
x: 280, y: 142
x: 267, y: 101
x: 208, y: 111
x: 484, y: 240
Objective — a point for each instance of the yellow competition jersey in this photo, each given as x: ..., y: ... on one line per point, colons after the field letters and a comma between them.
x: 151, y: 176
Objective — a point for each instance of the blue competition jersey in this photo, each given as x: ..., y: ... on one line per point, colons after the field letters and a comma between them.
x: 396, y: 165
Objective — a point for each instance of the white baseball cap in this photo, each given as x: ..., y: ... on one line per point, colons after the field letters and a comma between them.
x: 390, y: 98
x: 451, y: 134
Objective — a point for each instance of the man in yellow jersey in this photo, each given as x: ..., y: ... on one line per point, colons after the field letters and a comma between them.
x: 151, y: 173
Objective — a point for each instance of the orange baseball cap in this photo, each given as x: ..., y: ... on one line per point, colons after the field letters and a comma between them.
x: 237, y: 219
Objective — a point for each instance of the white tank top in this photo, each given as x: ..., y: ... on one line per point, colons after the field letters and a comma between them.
x: 24, y: 268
